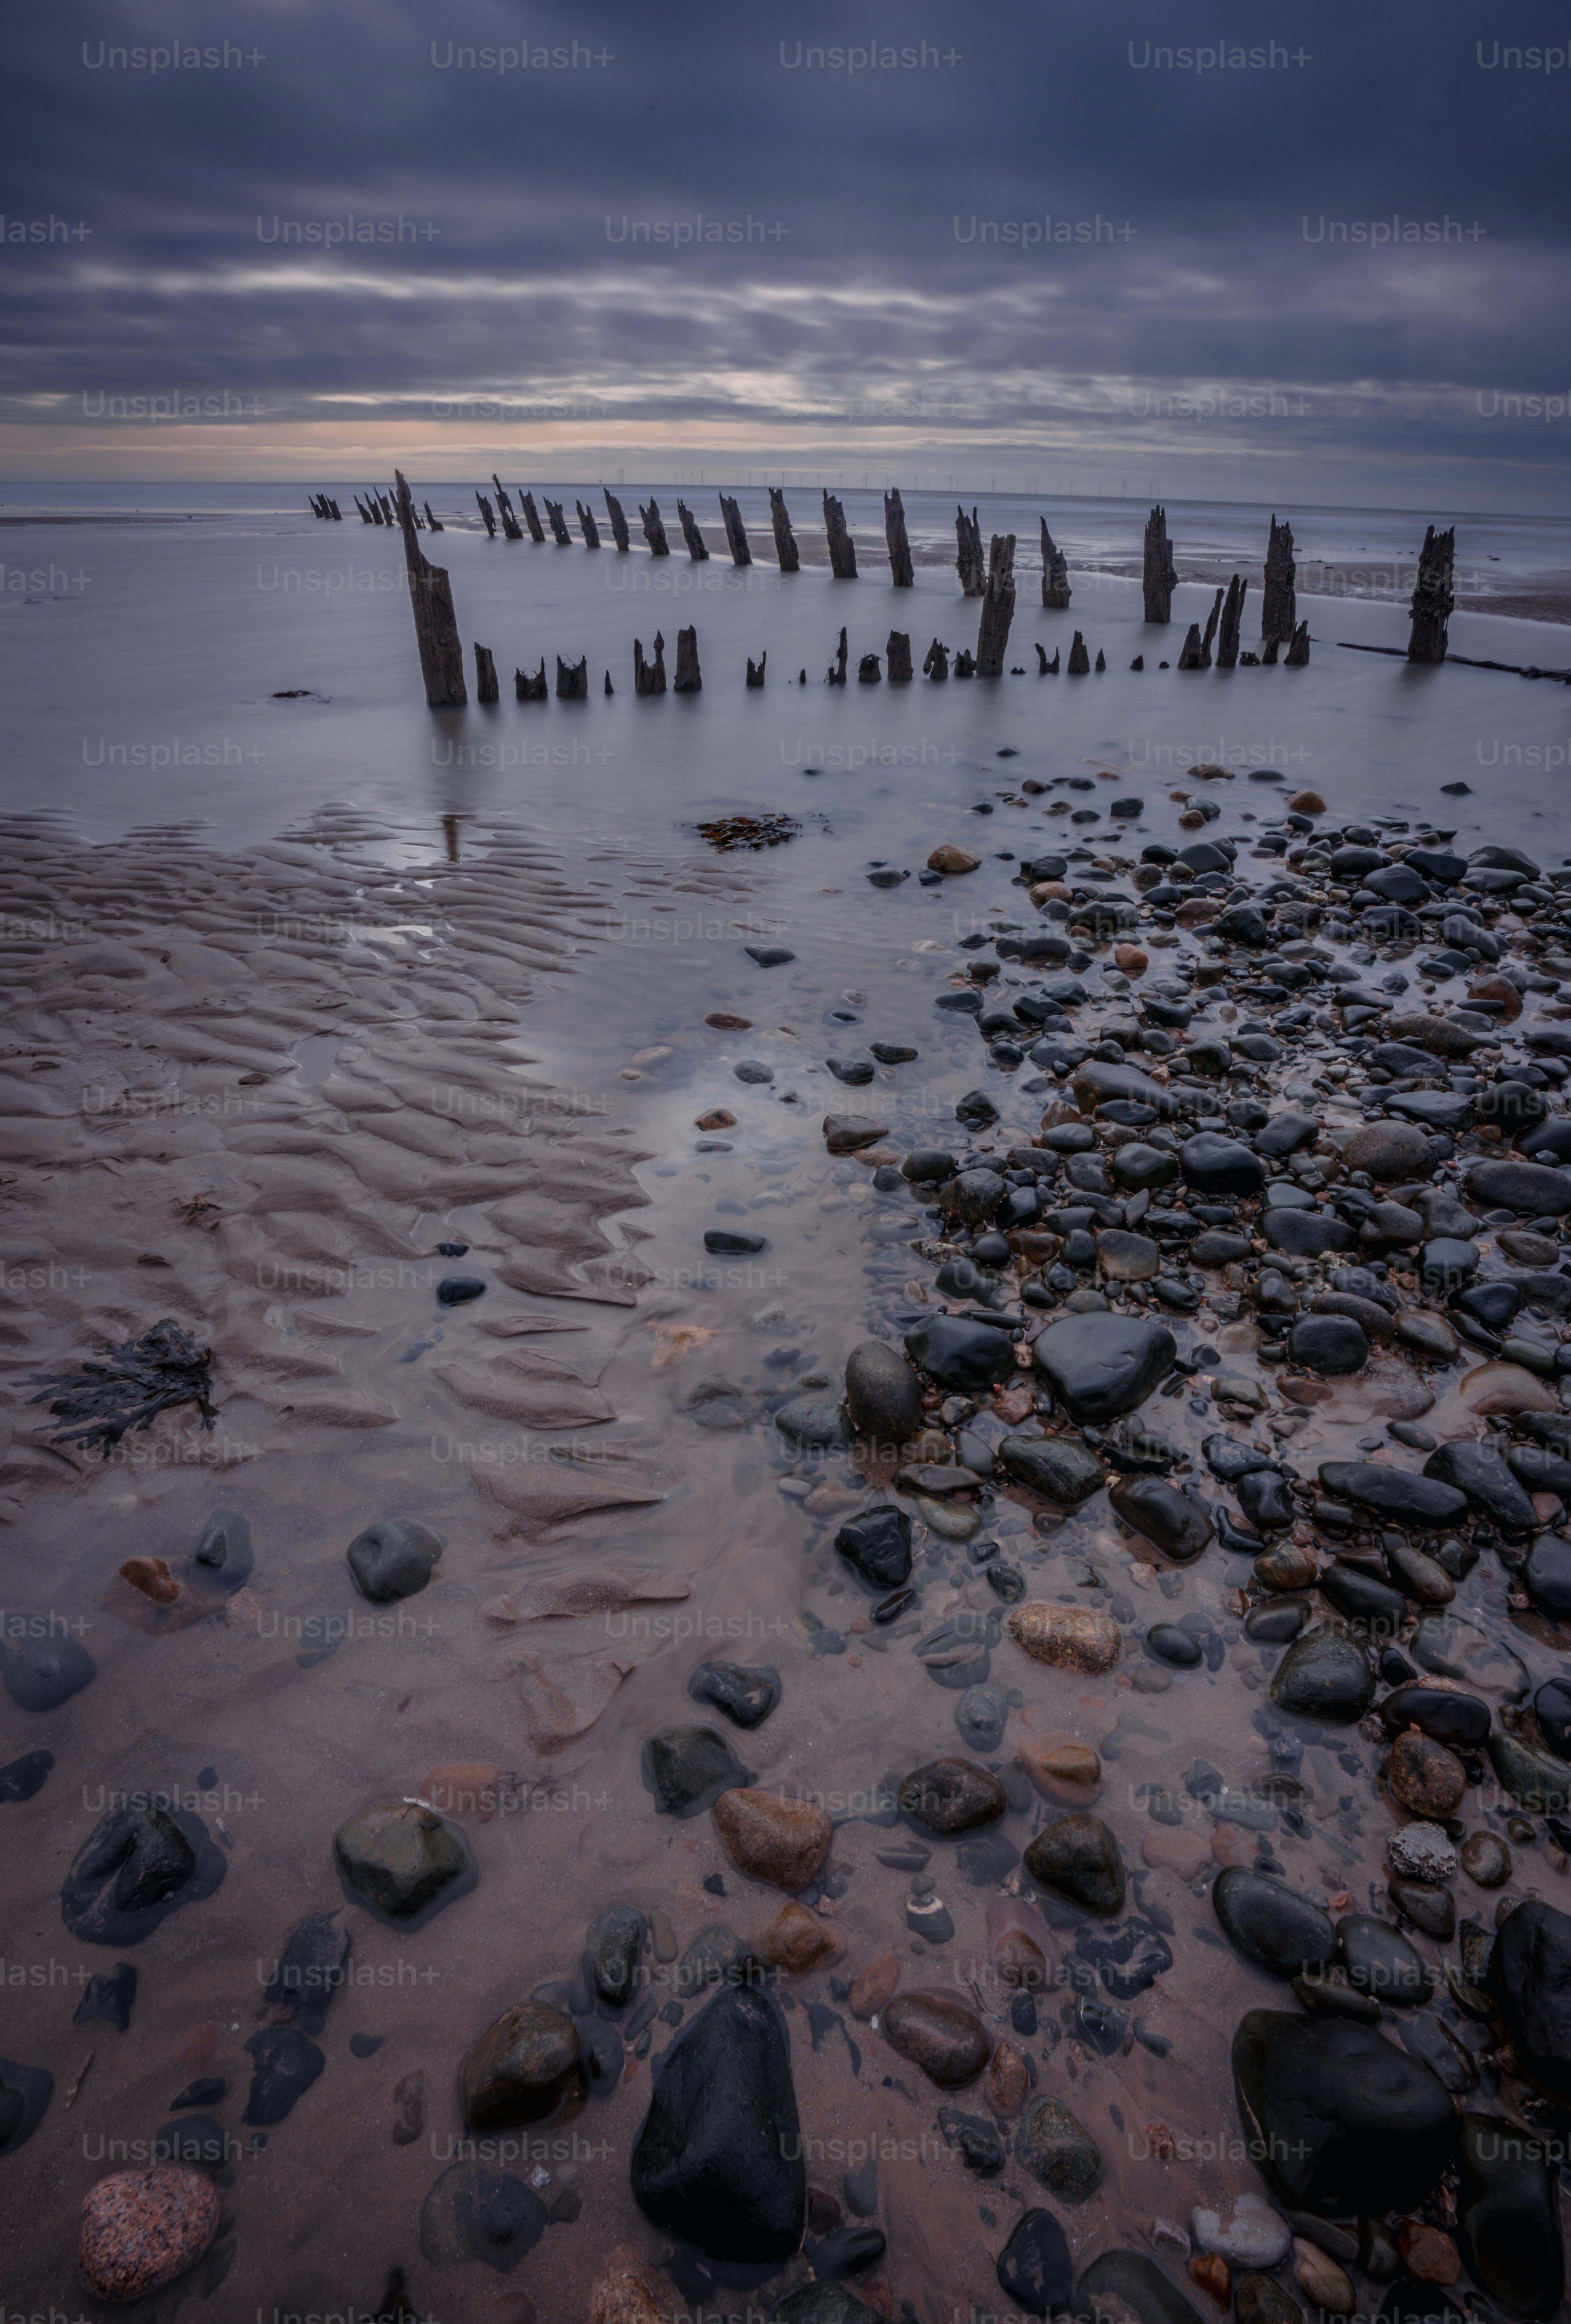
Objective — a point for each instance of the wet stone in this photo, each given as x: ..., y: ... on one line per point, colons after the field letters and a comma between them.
x: 1059, y: 1468
x: 1058, y: 2151
x: 877, y: 1543
x: 1266, y: 1501
x: 1279, y: 1931
x: 948, y: 1796
x: 1486, y: 1859
x: 399, y: 1857
x: 613, y: 1950
x: 1068, y: 1637
x: 474, y: 2214
x: 883, y: 1393
x: 1330, y: 1344
x: 981, y: 1715
x: 41, y: 1677
x: 782, y: 1841
x: 1380, y: 1962
x: 394, y: 1558
x: 940, y: 2034
x: 285, y: 2062
x: 745, y: 1693
x: 142, y: 2229
x: 1077, y: 1858
x: 688, y: 1767
x: 1163, y: 1514
x: 1347, y: 2122
x: 1508, y: 2216
x: 1100, y: 1367
x: 1530, y: 1975
x: 1171, y: 1644
x: 1035, y: 2272
x: 958, y: 1355
x: 1426, y: 1778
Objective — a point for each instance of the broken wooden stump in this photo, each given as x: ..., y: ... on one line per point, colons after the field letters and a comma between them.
x: 558, y: 522
x: 1049, y: 668
x: 936, y: 665
x: 869, y: 672
x: 1211, y: 620
x: 997, y: 607
x: 736, y: 536
x: 485, y: 676
x: 965, y: 664
x: 654, y: 531
x: 531, y: 516
x: 1101, y: 661
x: 573, y: 680
x: 694, y: 537
x: 587, y: 525
x: 687, y: 679
x: 511, y: 526
x: 1231, y: 623
x: 900, y: 571
x: 1267, y: 659
x: 486, y: 511
x: 1080, y: 660
x: 431, y: 523
x: 435, y: 624
x: 837, y: 669
x: 610, y: 689
x: 373, y: 508
x: 1139, y: 662
x: 1190, y: 652
x: 785, y: 539
x: 1279, y: 601
x: 618, y: 523
x: 756, y: 670
x: 842, y: 555
x: 650, y: 677
x: 1433, y: 598
x: 527, y: 689
x: 1055, y: 573
x: 387, y: 507
x: 897, y: 652
x: 1159, y: 578
x: 968, y: 553
x: 1297, y: 653
x: 365, y: 515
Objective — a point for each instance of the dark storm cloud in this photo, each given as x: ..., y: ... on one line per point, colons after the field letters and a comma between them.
x: 893, y: 233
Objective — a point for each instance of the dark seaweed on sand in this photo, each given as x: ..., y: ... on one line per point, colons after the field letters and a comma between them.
x: 128, y: 1389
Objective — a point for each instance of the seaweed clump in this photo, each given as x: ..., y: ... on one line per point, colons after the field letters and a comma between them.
x: 99, y: 1402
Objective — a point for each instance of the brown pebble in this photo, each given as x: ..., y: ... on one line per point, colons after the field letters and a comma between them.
x: 624, y: 2291
x: 723, y: 1022
x: 785, y: 1841
x: 939, y: 2033
x: 1181, y: 1852
x: 796, y: 1941
x: 1068, y: 1637
x: 1306, y: 803
x: 152, y: 1577
x: 717, y: 1118
x: 143, y: 2228
x: 1020, y: 1961
x: 873, y: 1988
x: 1130, y: 959
x: 1486, y: 1859
x: 1430, y: 2256
x: 1062, y: 1768
x: 1007, y: 2081
x: 1211, y: 2270
x: 1426, y: 1778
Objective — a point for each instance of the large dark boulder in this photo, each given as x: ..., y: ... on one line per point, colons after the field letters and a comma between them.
x: 1508, y: 2215
x: 719, y: 2161
x: 1340, y: 2120
x: 1100, y: 1366
x: 1530, y: 1974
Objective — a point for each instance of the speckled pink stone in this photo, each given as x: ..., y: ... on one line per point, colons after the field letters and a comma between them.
x: 142, y: 2228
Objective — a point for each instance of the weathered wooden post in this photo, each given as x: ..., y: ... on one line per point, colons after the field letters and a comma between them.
x: 837, y: 669
x: 1159, y: 579
x: 1080, y: 660
x: 587, y: 525
x: 373, y: 508
x: 485, y: 511
x: 609, y: 686
x: 1188, y: 654
x: 649, y: 678
x: 968, y: 553
x: 1434, y: 601
x: 900, y: 572
x: 997, y: 607
x: 965, y: 663
x: 1279, y: 601
x: 511, y: 526
x: 1055, y: 573
x: 435, y: 625
x: 527, y: 689
x: 1045, y: 669
x: 485, y: 676
x: 897, y: 652
x: 387, y: 506
x: 936, y: 665
x: 366, y: 516
x: 687, y: 679
x: 785, y: 539
x: 694, y: 539
x: 755, y: 668
x: 337, y: 511
x: 531, y: 516
x: 736, y: 536
x: 431, y: 523
x: 572, y: 680
x: 1297, y: 653
x: 1231, y: 622
x: 869, y: 672
x: 842, y: 554
x: 559, y: 522
x: 654, y: 531
x: 618, y: 523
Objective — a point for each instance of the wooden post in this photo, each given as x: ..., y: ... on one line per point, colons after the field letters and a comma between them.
x: 654, y: 531
x: 1211, y: 620
x: 531, y: 516
x: 485, y: 674
x: 837, y: 669
x: 736, y: 535
x: 1190, y: 652
x: 431, y: 523
x: 1267, y: 659
x: 360, y: 505
x: 1434, y: 600
x: 1297, y: 653
x: 374, y: 506
x: 649, y: 678
x: 897, y: 652
x: 387, y: 506
x: 687, y: 679
x: 572, y: 680
x: 694, y: 539
x: 1159, y: 578
x: 1279, y: 601
x: 337, y: 511
x: 559, y: 532
x: 936, y: 666
x: 997, y: 607
x: 1055, y: 573
x: 785, y: 539
x: 968, y: 554
x: 1231, y: 622
x: 965, y: 664
x: 842, y: 554
x: 618, y: 523
x: 1080, y: 660
x: 755, y: 668
x: 900, y: 572
x: 485, y: 512
x: 527, y: 689
x: 435, y: 625
x: 511, y: 526
x: 609, y: 686
x: 1101, y: 661
x: 587, y: 525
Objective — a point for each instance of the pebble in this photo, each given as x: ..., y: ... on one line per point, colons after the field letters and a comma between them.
x: 782, y: 1841
x: 141, y: 2229
x: 1062, y: 1768
x: 939, y: 2033
x: 1077, y: 1858
x: 1058, y: 2151
x: 1068, y: 1637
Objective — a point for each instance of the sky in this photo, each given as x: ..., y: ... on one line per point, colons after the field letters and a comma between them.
x: 1258, y: 250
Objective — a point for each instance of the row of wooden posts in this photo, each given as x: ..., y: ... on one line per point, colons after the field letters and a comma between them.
x: 442, y: 654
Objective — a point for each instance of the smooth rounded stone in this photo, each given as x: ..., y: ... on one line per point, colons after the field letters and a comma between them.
x: 1139, y: 1167
x: 1398, y: 1494
x: 1322, y: 2280
x: 953, y: 860
x: 1181, y: 1853
x: 1076, y: 1857
x: 1528, y: 1188
x: 1125, y: 1257
x: 1062, y: 1768
x: 1272, y: 1925
x: 284, y: 2065
x: 782, y: 1841
x: 747, y: 1693
x: 1479, y: 1471
x: 25, y: 2092
x: 1276, y: 1621
x: 1123, y: 2284
x: 1497, y: 1387
x: 688, y: 1767
x: 1460, y: 1720
x: 1389, y: 1151
x: 393, y: 1558
x: 1552, y: 1709
x: 1427, y: 1904
x: 1529, y: 1976
x: 1341, y: 2120
x: 458, y: 1290
x: 971, y: 1197
x: 1171, y: 1644
x: 939, y: 2033
x: 961, y: 1356
x: 1323, y: 1675
x: 981, y: 1714
x: 1287, y: 1567
x: 1427, y: 1334
x: 25, y: 1778
x: 474, y: 2214
x: 733, y: 1242
x: 1217, y: 1247
x: 1486, y: 1859
x: 1546, y: 1575
x: 624, y: 2291
x: 1068, y: 1637
x: 1266, y: 1501
x: 1540, y: 1784
x: 136, y: 1866
x: 223, y: 1557
x: 1362, y: 1600
x: 872, y: 1988
x: 1330, y: 1344
x: 1380, y: 1962
x: 928, y: 1165
x: 1421, y: 1851
x: 613, y: 1950
x: 1163, y: 1514
x: 43, y: 1676
x: 1260, y: 2300
x: 399, y: 1856
x: 1425, y: 1778
x: 882, y: 1394
x: 1100, y: 1367
x: 1059, y: 1468
x: 1255, y: 2235
x: 1508, y: 2216
x: 718, y: 2161
x: 141, y: 2229
x: 948, y: 1796
x: 1419, y: 1576
x: 1328, y: 1994
x: 876, y: 1542
x: 816, y: 1422
x: 1058, y: 2151
x: 1213, y: 1164
x: 1448, y: 1646
x: 798, y: 1942
x: 1035, y: 2272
